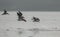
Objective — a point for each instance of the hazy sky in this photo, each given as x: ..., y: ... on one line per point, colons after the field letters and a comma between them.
x: 31, y: 5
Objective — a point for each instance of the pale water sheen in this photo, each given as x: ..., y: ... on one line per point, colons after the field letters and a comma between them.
x: 10, y: 27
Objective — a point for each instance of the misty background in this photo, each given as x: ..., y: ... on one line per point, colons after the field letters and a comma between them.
x: 30, y: 5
